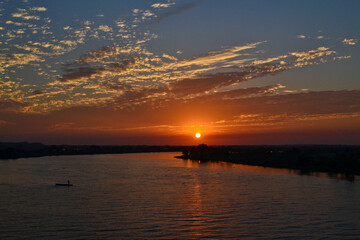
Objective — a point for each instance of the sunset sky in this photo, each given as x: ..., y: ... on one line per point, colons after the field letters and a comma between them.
x: 157, y: 72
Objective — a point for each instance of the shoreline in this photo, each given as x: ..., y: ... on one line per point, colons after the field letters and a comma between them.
x: 13, y: 151
x: 306, y: 159
x: 331, y: 159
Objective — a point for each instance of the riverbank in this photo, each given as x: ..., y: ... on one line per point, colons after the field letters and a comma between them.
x: 27, y: 150
x: 331, y: 159
x: 306, y: 158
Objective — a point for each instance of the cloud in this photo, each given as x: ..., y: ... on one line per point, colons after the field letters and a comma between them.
x: 278, y: 121
x: 217, y: 57
x: 106, y: 62
x: 162, y: 5
x: 169, y: 57
x: 105, y: 28
x: 176, y: 11
x: 17, y: 59
x: 38, y: 92
x: 39, y: 9
x: 115, y: 85
x: 243, y: 109
x: 210, y: 85
x: 201, y: 86
x: 349, y: 41
x: 126, y: 70
x: 23, y: 14
x: 241, y: 93
x: 240, y: 111
x: 13, y: 106
x: 98, y: 55
x: 343, y: 101
x: 145, y: 69
x: 259, y: 62
x: 301, y: 36
x: 79, y: 72
x: 312, y: 54
x: 285, y: 110
x: 204, y: 83
x: 113, y: 69
x: 146, y: 14
x: 341, y: 57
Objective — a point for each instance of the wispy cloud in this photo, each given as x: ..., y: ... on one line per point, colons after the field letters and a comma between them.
x: 312, y: 54
x: 128, y: 76
x: 125, y: 73
x: 80, y: 71
x: 13, y: 106
x: 349, y: 41
x: 175, y: 11
x: 162, y: 5
x: 39, y: 9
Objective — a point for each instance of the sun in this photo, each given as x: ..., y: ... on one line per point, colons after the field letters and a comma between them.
x: 197, y: 135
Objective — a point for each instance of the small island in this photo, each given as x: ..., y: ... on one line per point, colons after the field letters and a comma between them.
x: 331, y: 159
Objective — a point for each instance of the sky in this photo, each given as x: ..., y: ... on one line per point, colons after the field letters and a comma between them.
x: 158, y: 72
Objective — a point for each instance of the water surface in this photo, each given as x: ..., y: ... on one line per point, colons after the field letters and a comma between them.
x: 154, y: 196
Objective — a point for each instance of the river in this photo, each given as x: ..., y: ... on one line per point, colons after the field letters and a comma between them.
x: 155, y: 196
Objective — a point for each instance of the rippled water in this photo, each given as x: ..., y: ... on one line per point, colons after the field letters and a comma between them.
x: 142, y: 196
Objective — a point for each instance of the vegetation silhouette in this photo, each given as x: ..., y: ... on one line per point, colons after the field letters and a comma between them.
x: 26, y: 150
x: 305, y: 159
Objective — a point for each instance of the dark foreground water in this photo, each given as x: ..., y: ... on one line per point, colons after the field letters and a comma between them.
x: 154, y: 196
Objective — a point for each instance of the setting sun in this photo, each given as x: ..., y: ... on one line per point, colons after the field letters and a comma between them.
x: 197, y: 135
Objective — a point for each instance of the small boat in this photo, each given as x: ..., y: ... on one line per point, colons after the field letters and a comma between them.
x: 63, y: 184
